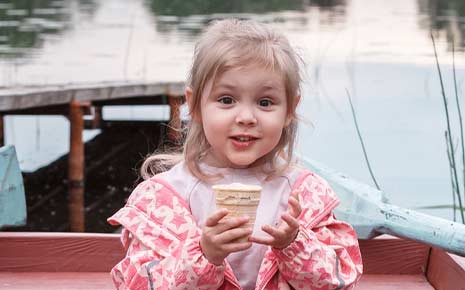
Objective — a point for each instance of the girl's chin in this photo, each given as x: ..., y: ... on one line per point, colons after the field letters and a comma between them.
x: 246, y: 163
x: 228, y: 162
x: 240, y: 163
x: 240, y: 166
x: 234, y: 161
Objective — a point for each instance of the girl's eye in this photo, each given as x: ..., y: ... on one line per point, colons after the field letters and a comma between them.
x: 226, y: 100
x: 265, y: 102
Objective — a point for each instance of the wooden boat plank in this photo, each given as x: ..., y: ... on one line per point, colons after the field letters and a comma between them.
x: 63, y: 260
x: 388, y: 255
x: 68, y: 252
x: 55, y: 280
x: 59, y: 252
x: 83, y: 280
x: 446, y: 271
x: 393, y: 282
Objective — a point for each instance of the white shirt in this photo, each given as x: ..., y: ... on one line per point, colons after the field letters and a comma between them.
x: 201, y: 200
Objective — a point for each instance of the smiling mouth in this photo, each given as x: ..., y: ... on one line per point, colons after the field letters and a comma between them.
x: 244, y: 139
x: 243, y: 142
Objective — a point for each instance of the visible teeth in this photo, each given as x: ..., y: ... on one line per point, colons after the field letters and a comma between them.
x: 243, y: 139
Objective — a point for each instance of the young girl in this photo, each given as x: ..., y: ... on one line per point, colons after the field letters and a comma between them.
x: 242, y: 94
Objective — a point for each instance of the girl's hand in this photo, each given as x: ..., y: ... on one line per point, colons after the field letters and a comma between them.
x: 285, y: 233
x: 219, y: 236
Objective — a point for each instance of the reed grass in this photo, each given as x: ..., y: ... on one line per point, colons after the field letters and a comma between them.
x: 460, y: 116
x: 454, y: 186
x: 440, y: 206
x: 449, y: 142
x: 361, y: 140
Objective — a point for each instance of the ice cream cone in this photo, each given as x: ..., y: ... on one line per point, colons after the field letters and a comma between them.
x: 239, y: 199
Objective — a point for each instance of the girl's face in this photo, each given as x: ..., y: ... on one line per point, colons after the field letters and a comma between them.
x: 243, y: 115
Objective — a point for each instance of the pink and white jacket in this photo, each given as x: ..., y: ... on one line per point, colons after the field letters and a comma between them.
x: 163, y: 250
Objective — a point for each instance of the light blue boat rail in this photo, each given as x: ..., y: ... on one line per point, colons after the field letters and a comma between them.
x: 368, y: 211
x: 12, y: 196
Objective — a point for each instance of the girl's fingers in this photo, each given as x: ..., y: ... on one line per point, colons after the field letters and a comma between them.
x: 272, y: 231
x: 261, y: 240
x: 219, y: 222
x: 295, y: 195
x: 294, y: 205
x: 237, y: 247
x: 230, y: 223
x: 290, y: 220
x: 233, y: 234
x: 216, y: 217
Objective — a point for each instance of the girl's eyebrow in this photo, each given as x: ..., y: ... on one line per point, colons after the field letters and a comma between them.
x: 270, y: 87
x: 231, y: 87
x: 224, y: 86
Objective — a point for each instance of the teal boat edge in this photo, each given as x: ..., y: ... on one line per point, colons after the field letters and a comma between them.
x: 12, y: 195
x: 368, y: 211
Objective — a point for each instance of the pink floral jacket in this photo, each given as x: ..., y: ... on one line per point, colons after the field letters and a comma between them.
x: 163, y: 251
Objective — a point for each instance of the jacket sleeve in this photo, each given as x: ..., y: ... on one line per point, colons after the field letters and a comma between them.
x: 162, y: 241
x: 325, y: 253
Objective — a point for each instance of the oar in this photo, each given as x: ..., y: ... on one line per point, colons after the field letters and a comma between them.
x: 367, y: 210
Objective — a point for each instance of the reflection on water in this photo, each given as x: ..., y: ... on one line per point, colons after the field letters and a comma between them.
x: 202, y: 7
x: 378, y: 49
x: 190, y: 17
x: 25, y: 24
x: 448, y: 17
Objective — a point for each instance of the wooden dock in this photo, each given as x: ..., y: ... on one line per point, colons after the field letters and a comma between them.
x: 25, y: 100
x: 76, y: 102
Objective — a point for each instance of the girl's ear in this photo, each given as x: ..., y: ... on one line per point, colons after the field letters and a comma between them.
x: 289, y: 118
x: 188, y: 93
x: 297, y: 101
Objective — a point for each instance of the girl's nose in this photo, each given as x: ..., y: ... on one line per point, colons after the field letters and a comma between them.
x: 246, y: 116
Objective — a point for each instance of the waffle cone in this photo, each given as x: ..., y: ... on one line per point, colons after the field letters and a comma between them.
x: 239, y: 200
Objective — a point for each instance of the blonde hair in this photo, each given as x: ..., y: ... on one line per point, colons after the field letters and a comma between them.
x: 227, y: 44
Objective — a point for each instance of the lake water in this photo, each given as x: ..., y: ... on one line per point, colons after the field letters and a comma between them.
x: 380, y: 51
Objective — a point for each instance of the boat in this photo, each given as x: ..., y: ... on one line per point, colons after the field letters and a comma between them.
x: 75, y: 261
x: 401, y: 249
x: 370, y: 213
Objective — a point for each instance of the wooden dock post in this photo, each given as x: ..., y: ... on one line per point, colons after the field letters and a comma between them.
x: 174, y: 128
x: 97, y: 117
x: 76, y: 168
x: 2, y: 132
